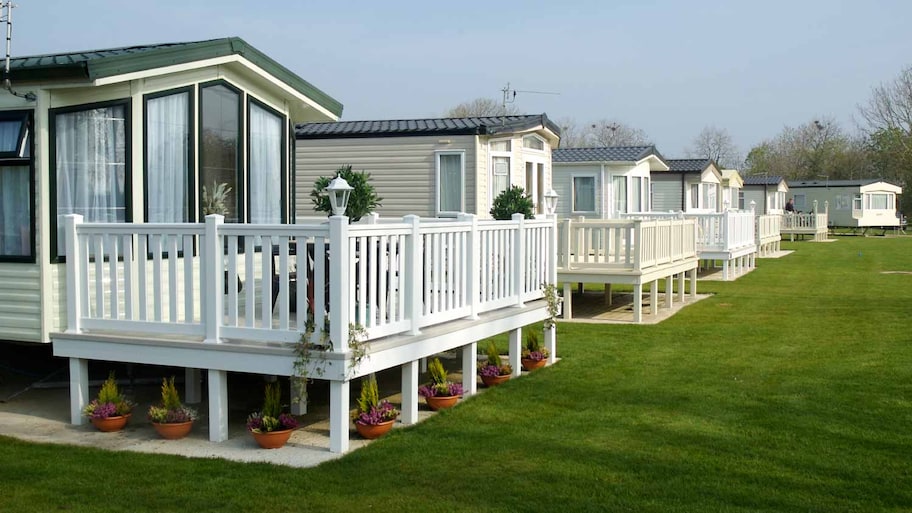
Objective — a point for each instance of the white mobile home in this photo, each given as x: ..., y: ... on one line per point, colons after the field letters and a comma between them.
x: 732, y: 185
x: 689, y: 185
x: 605, y: 182
x: 133, y: 135
x: 851, y: 203
x: 431, y: 167
x: 767, y: 193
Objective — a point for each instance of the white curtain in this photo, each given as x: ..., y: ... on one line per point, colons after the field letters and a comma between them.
x: 14, y: 211
x: 167, y: 158
x: 620, y: 194
x: 501, y: 181
x: 265, y: 166
x: 583, y: 194
x: 636, y: 196
x: 91, y: 162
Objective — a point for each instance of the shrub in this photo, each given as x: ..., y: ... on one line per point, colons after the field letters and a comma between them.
x: 362, y: 201
x: 512, y: 201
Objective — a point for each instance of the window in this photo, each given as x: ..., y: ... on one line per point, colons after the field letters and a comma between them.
x: 710, y: 191
x: 535, y: 177
x: 167, y: 156
x: 500, y: 167
x: 878, y: 201
x: 583, y: 194
x: 636, y: 196
x: 856, y: 202
x: 800, y: 202
x: 741, y: 199
x: 450, y: 183
x: 267, y: 164
x: 220, y: 125
x: 694, y: 195
x: 647, y: 195
x: 16, y: 188
x: 533, y: 143
x: 90, y: 153
x: 619, y: 184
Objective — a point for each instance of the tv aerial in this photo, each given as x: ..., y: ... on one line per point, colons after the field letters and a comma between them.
x: 509, y: 94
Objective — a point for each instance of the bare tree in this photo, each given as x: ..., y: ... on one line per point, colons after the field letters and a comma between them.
x: 480, y: 107
x: 716, y: 144
x: 600, y: 133
x: 890, y: 105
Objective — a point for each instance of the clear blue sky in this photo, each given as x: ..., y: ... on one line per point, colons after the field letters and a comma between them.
x: 667, y: 67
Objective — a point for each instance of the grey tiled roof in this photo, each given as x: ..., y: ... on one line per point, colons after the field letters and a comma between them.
x: 834, y: 183
x: 84, y: 66
x: 762, y: 180
x: 688, y: 165
x: 604, y: 154
x: 431, y: 126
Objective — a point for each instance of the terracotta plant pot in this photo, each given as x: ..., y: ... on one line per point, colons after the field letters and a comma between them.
x: 441, y: 402
x: 272, y: 439
x: 371, y: 431
x: 111, y: 423
x: 533, y: 364
x: 491, y: 381
x: 173, y: 430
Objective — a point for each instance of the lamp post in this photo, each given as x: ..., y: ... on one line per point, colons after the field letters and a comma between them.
x: 339, y: 194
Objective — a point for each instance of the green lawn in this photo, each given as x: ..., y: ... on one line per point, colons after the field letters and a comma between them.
x: 788, y: 390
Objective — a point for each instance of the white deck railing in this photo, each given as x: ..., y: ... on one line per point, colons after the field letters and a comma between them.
x: 808, y: 223
x: 716, y: 232
x: 634, y: 244
x: 265, y: 282
x: 768, y: 226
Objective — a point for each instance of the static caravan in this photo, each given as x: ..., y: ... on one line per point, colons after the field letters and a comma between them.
x: 134, y: 134
x: 850, y: 203
x: 732, y: 185
x: 431, y: 167
x: 606, y: 182
x: 766, y: 192
x: 689, y: 185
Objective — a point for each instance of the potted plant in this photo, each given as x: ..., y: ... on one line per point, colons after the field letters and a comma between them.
x: 110, y: 411
x: 534, y: 354
x: 363, y: 199
x: 270, y: 427
x: 440, y: 392
x: 172, y: 420
x: 374, y: 417
x: 493, y: 371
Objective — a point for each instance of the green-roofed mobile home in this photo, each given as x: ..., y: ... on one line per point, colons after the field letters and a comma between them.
x: 132, y: 135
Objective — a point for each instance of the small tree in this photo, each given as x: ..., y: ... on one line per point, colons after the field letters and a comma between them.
x: 512, y: 201
x: 362, y: 201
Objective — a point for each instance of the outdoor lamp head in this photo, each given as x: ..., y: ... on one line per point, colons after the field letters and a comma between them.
x: 551, y: 201
x: 339, y: 192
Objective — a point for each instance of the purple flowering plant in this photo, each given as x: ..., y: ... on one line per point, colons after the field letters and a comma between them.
x: 110, y: 402
x: 270, y: 417
x: 533, y: 349
x: 440, y: 385
x: 493, y: 366
x: 171, y: 411
x: 371, y: 410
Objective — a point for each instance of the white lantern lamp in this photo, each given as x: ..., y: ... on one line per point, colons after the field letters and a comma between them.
x: 551, y: 201
x: 339, y: 193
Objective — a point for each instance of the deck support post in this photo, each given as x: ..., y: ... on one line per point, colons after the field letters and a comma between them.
x: 669, y: 292
x: 680, y: 287
x: 409, y: 409
x: 516, y: 351
x: 79, y: 389
x: 218, y: 405
x: 693, y: 284
x: 725, y: 270
x: 338, y: 416
x: 193, y: 393
x: 637, y: 302
x: 469, y: 363
x: 568, y: 300
x: 654, y: 297
x: 298, y: 394
x: 550, y: 340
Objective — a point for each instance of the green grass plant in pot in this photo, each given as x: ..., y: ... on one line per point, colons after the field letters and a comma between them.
x: 534, y: 354
x: 440, y: 393
x: 270, y: 427
x: 171, y: 419
x: 111, y: 410
x: 493, y: 371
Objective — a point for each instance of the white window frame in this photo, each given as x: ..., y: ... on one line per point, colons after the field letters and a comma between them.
x: 595, y: 184
x: 437, y: 195
x: 617, y: 209
x: 492, y: 154
x: 543, y: 142
x: 695, y: 195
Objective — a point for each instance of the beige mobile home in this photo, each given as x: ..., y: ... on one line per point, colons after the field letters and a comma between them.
x: 605, y: 183
x: 690, y: 185
x: 430, y: 167
x: 133, y: 135
x: 767, y: 193
x: 851, y: 203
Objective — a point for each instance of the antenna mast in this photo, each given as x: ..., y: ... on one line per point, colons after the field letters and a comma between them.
x: 7, y: 16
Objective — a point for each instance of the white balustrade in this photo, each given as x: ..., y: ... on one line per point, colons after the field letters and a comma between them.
x: 625, y: 244
x: 269, y: 281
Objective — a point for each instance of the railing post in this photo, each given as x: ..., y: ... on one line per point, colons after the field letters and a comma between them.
x: 73, y: 267
x: 637, y: 237
x: 553, y: 251
x: 519, y: 258
x: 339, y: 289
x: 414, y: 249
x: 473, y: 280
x: 212, y: 275
x: 564, y: 250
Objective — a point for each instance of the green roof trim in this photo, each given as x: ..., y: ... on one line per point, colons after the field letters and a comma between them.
x: 95, y: 64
